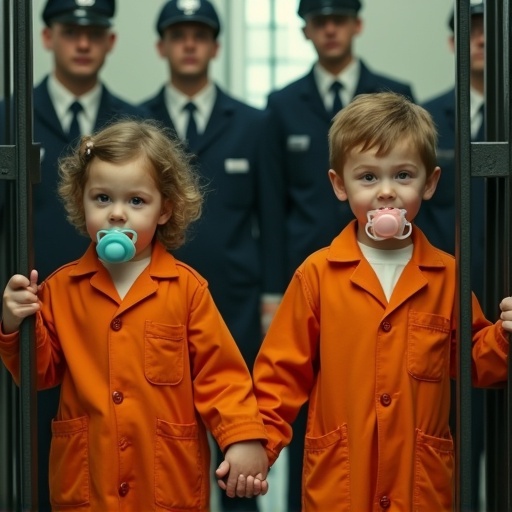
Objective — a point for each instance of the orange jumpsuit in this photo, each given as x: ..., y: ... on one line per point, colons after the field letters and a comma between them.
x: 142, y: 379
x: 376, y: 375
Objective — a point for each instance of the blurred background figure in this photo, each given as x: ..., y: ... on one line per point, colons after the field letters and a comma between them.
x: 235, y: 243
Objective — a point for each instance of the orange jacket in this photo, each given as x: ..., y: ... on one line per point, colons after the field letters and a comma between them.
x: 376, y: 375
x: 141, y: 379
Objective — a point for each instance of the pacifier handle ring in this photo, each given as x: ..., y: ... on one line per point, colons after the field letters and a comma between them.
x: 405, y: 235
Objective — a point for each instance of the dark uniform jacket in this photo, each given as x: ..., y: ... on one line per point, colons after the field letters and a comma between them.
x: 235, y: 242
x: 297, y: 149
x: 437, y: 216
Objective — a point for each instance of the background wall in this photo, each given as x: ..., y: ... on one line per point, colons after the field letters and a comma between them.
x: 407, y: 39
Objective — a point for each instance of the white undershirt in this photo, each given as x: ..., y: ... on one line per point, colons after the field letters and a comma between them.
x: 125, y: 274
x: 387, y: 264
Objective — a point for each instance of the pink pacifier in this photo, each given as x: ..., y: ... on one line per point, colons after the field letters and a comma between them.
x: 116, y: 245
x: 387, y: 223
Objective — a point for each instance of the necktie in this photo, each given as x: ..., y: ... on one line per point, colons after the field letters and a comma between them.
x: 191, y: 134
x: 480, y: 134
x: 74, y: 127
x: 337, y: 105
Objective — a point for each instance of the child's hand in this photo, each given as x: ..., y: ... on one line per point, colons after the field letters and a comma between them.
x: 20, y: 300
x: 244, y: 470
x: 506, y: 313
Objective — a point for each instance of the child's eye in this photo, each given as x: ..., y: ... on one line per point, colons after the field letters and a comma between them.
x: 137, y: 201
x: 403, y: 175
x: 368, y: 177
x: 102, y: 198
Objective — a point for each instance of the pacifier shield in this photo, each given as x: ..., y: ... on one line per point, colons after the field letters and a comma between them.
x: 115, y: 246
x: 386, y: 225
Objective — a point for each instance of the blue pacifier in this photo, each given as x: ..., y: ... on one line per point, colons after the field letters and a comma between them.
x: 115, y: 245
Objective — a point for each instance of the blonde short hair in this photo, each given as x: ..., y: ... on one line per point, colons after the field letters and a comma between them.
x: 381, y: 120
x: 169, y: 163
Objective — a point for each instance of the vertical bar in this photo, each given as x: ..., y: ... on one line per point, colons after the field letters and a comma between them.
x: 497, y: 75
x: 464, y: 456
x: 507, y: 238
x: 9, y: 400
x: 23, y: 128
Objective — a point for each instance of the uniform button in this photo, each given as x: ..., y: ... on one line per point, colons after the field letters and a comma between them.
x: 124, y: 488
x: 386, y: 326
x: 123, y: 443
x: 385, y: 399
x: 385, y: 502
x: 118, y: 397
x: 116, y: 324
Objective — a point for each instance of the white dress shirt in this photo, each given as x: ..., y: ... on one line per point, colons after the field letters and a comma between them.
x: 349, y: 78
x: 204, y: 101
x: 62, y: 99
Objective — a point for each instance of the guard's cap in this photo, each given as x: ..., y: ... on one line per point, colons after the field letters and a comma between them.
x: 310, y: 8
x: 96, y: 13
x: 476, y: 7
x: 182, y: 11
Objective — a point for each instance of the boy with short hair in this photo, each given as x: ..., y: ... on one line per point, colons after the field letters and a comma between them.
x: 366, y: 329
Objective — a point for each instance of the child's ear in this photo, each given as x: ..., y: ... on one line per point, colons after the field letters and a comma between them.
x: 337, y: 185
x: 431, y: 184
x: 166, y: 212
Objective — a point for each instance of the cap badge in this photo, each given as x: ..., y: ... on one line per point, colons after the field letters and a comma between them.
x: 85, y: 3
x: 188, y: 6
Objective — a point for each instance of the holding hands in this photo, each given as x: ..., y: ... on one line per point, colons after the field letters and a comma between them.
x: 19, y: 301
x: 243, y: 471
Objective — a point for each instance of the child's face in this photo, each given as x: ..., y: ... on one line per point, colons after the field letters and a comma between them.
x: 398, y: 179
x: 124, y: 196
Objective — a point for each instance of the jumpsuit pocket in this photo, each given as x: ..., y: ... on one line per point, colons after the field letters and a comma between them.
x: 433, y: 473
x: 428, y: 346
x: 326, y: 482
x: 69, y: 463
x: 164, y: 353
x: 179, y: 478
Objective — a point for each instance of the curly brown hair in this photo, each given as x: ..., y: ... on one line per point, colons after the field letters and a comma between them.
x: 120, y: 142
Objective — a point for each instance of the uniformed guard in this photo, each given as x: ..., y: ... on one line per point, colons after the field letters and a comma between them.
x: 236, y: 243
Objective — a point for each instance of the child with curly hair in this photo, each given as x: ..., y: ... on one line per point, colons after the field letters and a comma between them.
x: 145, y: 362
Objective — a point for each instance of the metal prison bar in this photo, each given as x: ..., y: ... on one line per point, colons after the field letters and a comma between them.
x: 19, y: 166
x: 492, y: 161
x: 499, y: 432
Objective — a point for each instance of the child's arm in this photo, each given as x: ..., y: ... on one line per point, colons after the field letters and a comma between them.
x: 506, y: 313
x: 19, y: 301
x: 244, y: 470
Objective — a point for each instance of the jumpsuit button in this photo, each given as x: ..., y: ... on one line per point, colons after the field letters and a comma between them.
x: 386, y: 326
x: 385, y: 399
x: 116, y: 324
x: 123, y: 443
x: 385, y: 502
x: 123, y: 489
x: 117, y: 397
